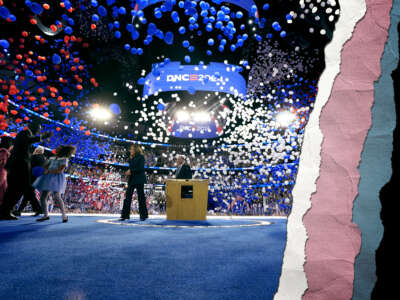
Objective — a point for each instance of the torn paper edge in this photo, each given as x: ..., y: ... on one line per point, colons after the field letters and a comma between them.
x: 293, y: 281
x: 364, y: 263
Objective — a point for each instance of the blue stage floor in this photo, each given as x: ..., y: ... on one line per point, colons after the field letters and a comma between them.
x: 156, y: 259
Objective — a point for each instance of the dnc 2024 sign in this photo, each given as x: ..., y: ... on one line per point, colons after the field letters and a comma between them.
x: 173, y: 76
x: 193, y: 77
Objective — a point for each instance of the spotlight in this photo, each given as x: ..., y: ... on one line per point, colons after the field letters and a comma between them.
x: 182, y: 116
x: 285, y: 118
x: 100, y: 113
x: 201, y: 117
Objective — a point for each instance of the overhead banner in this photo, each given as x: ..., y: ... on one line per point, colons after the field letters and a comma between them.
x: 173, y: 76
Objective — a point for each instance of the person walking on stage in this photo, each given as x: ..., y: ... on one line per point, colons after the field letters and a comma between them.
x: 54, y: 180
x: 183, y: 170
x: 37, y: 161
x: 5, y: 148
x: 19, y: 169
x: 137, y: 179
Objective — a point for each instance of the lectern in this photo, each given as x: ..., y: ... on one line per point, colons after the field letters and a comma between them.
x: 186, y: 199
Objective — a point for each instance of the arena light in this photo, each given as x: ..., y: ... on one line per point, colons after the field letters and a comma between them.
x: 285, y: 118
x: 201, y: 117
x: 100, y: 113
x: 182, y: 116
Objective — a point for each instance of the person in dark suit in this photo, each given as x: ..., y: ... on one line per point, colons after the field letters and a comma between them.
x: 19, y: 169
x: 137, y: 179
x: 183, y: 170
x: 37, y: 160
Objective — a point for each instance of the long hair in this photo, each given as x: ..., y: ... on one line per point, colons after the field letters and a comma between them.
x: 138, y: 149
x: 65, y: 151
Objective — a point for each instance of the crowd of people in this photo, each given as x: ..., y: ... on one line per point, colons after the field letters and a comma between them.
x: 101, y: 185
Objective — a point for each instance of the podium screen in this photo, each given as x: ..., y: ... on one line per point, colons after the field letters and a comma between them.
x: 187, y: 191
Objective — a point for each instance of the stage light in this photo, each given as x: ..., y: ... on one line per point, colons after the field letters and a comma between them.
x: 182, y: 116
x: 201, y: 117
x: 100, y: 113
x: 285, y: 118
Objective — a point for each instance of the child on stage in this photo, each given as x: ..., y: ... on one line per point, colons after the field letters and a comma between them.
x: 54, y: 180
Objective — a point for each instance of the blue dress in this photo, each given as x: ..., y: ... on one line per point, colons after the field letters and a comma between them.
x: 53, y: 182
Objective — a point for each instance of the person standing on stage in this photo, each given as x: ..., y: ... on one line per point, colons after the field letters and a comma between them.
x: 37, y: 160
x: 136, y: 181
x: 53, y: 180
x: 183, y: 170
x: 5, y: 147
x: 19, y: 169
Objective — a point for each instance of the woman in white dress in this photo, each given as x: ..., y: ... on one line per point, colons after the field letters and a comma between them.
x: 53, y: 180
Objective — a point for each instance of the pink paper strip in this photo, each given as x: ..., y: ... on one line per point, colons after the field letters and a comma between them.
x: 334, y: 241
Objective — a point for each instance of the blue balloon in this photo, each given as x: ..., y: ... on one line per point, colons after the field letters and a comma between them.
x: 210, y: 42
x: 182, y: 30
x: 276, y: 26
x: 141, y: 81
x: 36, y: 8
x: 191, y: 90
x: 175, y: 17
x: 115, y: 109
x: 266, y: 6
x: 122, y: 10
x: 37, y: 171
x: 209, y: 52
x: 94, y: 3
x: 185, y: 43
x: 130, y: 27
x: 169, y: 38
x: 187, y: 58
x: 283, y: 34
x: 135, y: 34
x: 159, y: 34
x: 239, y: 15
x: 4, y: 12
x: 95, y: 18
x: 253, y: 10
x: 102, y: 11
x: 117, y: 34
x: 160, y: 106
x: 158, y: 14
x: 127, y: 46
x: 156, y: 72
x: 4, y: 43
x: 56, y: 59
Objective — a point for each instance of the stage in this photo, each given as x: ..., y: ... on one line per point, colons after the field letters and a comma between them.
x: 99, y: 257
